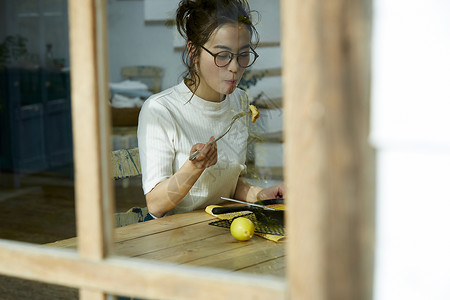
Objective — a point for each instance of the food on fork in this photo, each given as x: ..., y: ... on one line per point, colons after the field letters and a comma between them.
x: 255, y: 112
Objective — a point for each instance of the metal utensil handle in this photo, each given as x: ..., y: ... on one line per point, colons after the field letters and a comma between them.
x: 251, y: 204
x: 194, y: 155
x: 230, y: 209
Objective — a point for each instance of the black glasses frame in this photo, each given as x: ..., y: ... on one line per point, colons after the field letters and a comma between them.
x: 232, y: 56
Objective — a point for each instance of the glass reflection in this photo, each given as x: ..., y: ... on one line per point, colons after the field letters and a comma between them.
x: 36, y: 155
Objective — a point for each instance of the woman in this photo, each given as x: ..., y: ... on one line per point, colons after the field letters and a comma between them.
x: 175, y: 123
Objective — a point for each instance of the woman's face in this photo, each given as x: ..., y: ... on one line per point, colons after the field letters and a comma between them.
x: 218, y: 81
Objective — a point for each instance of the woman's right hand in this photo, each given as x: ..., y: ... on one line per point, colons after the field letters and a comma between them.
x: 168, y: 193
x: 207, y: 156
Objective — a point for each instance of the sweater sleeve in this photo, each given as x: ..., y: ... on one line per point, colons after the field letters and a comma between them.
x: 156, y: 132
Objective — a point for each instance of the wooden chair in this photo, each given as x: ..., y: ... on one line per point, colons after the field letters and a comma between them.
x: 126, y: 164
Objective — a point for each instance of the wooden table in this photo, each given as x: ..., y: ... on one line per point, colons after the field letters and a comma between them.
x: 188, y: 239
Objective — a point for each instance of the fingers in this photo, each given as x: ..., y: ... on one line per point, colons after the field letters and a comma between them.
x: 212, y: 156
x: 207, y: 149
x: 281, y: 190
x: 207, y: 154
x: 272, y: 192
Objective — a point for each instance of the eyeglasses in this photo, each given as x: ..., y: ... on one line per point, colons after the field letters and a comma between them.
x: 244, y: 59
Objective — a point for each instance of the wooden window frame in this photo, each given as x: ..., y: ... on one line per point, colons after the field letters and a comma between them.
x: 315, y: 135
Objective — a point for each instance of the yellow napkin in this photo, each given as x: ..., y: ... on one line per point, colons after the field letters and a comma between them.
x: 229, y: 216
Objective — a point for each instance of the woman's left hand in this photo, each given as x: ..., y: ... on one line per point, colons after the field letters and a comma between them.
x: 273, y: 192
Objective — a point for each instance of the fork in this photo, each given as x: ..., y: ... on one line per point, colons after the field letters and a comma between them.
x: 235, y: 117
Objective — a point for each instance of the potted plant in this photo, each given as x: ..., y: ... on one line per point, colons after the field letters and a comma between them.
x: 12, y: 49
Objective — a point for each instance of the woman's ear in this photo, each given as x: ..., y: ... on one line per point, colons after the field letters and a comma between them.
x: 191, y: 49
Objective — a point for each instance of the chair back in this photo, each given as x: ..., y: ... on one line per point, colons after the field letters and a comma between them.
x: 132, y: 216
x: 125, y: 163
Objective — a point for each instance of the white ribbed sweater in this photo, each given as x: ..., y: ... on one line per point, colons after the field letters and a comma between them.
x: 170, y: 124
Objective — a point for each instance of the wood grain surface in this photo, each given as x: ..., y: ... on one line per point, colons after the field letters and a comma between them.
x: 330, y: 171
x: 188, y: 239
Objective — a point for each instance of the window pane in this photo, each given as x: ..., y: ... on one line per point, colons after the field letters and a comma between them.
x: 134, y: 42
x: 36, y: 155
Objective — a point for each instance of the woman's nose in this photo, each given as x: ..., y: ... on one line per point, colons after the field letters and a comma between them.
x: 233, y: 66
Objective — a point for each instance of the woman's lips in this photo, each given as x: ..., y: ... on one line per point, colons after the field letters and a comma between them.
x: 231, y: 82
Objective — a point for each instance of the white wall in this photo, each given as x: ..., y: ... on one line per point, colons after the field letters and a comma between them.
x: 411, y: 131
x: 131, y: 42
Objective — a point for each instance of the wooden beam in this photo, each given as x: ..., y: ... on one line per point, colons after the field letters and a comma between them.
x: 330, y: 169
x: 260, y: 44
x: 133, y: 277
x: 265, y: 72
x: 91, y: 127
x: 90, y: 123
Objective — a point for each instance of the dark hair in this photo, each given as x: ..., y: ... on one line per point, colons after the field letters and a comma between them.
x: 197, y: 20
